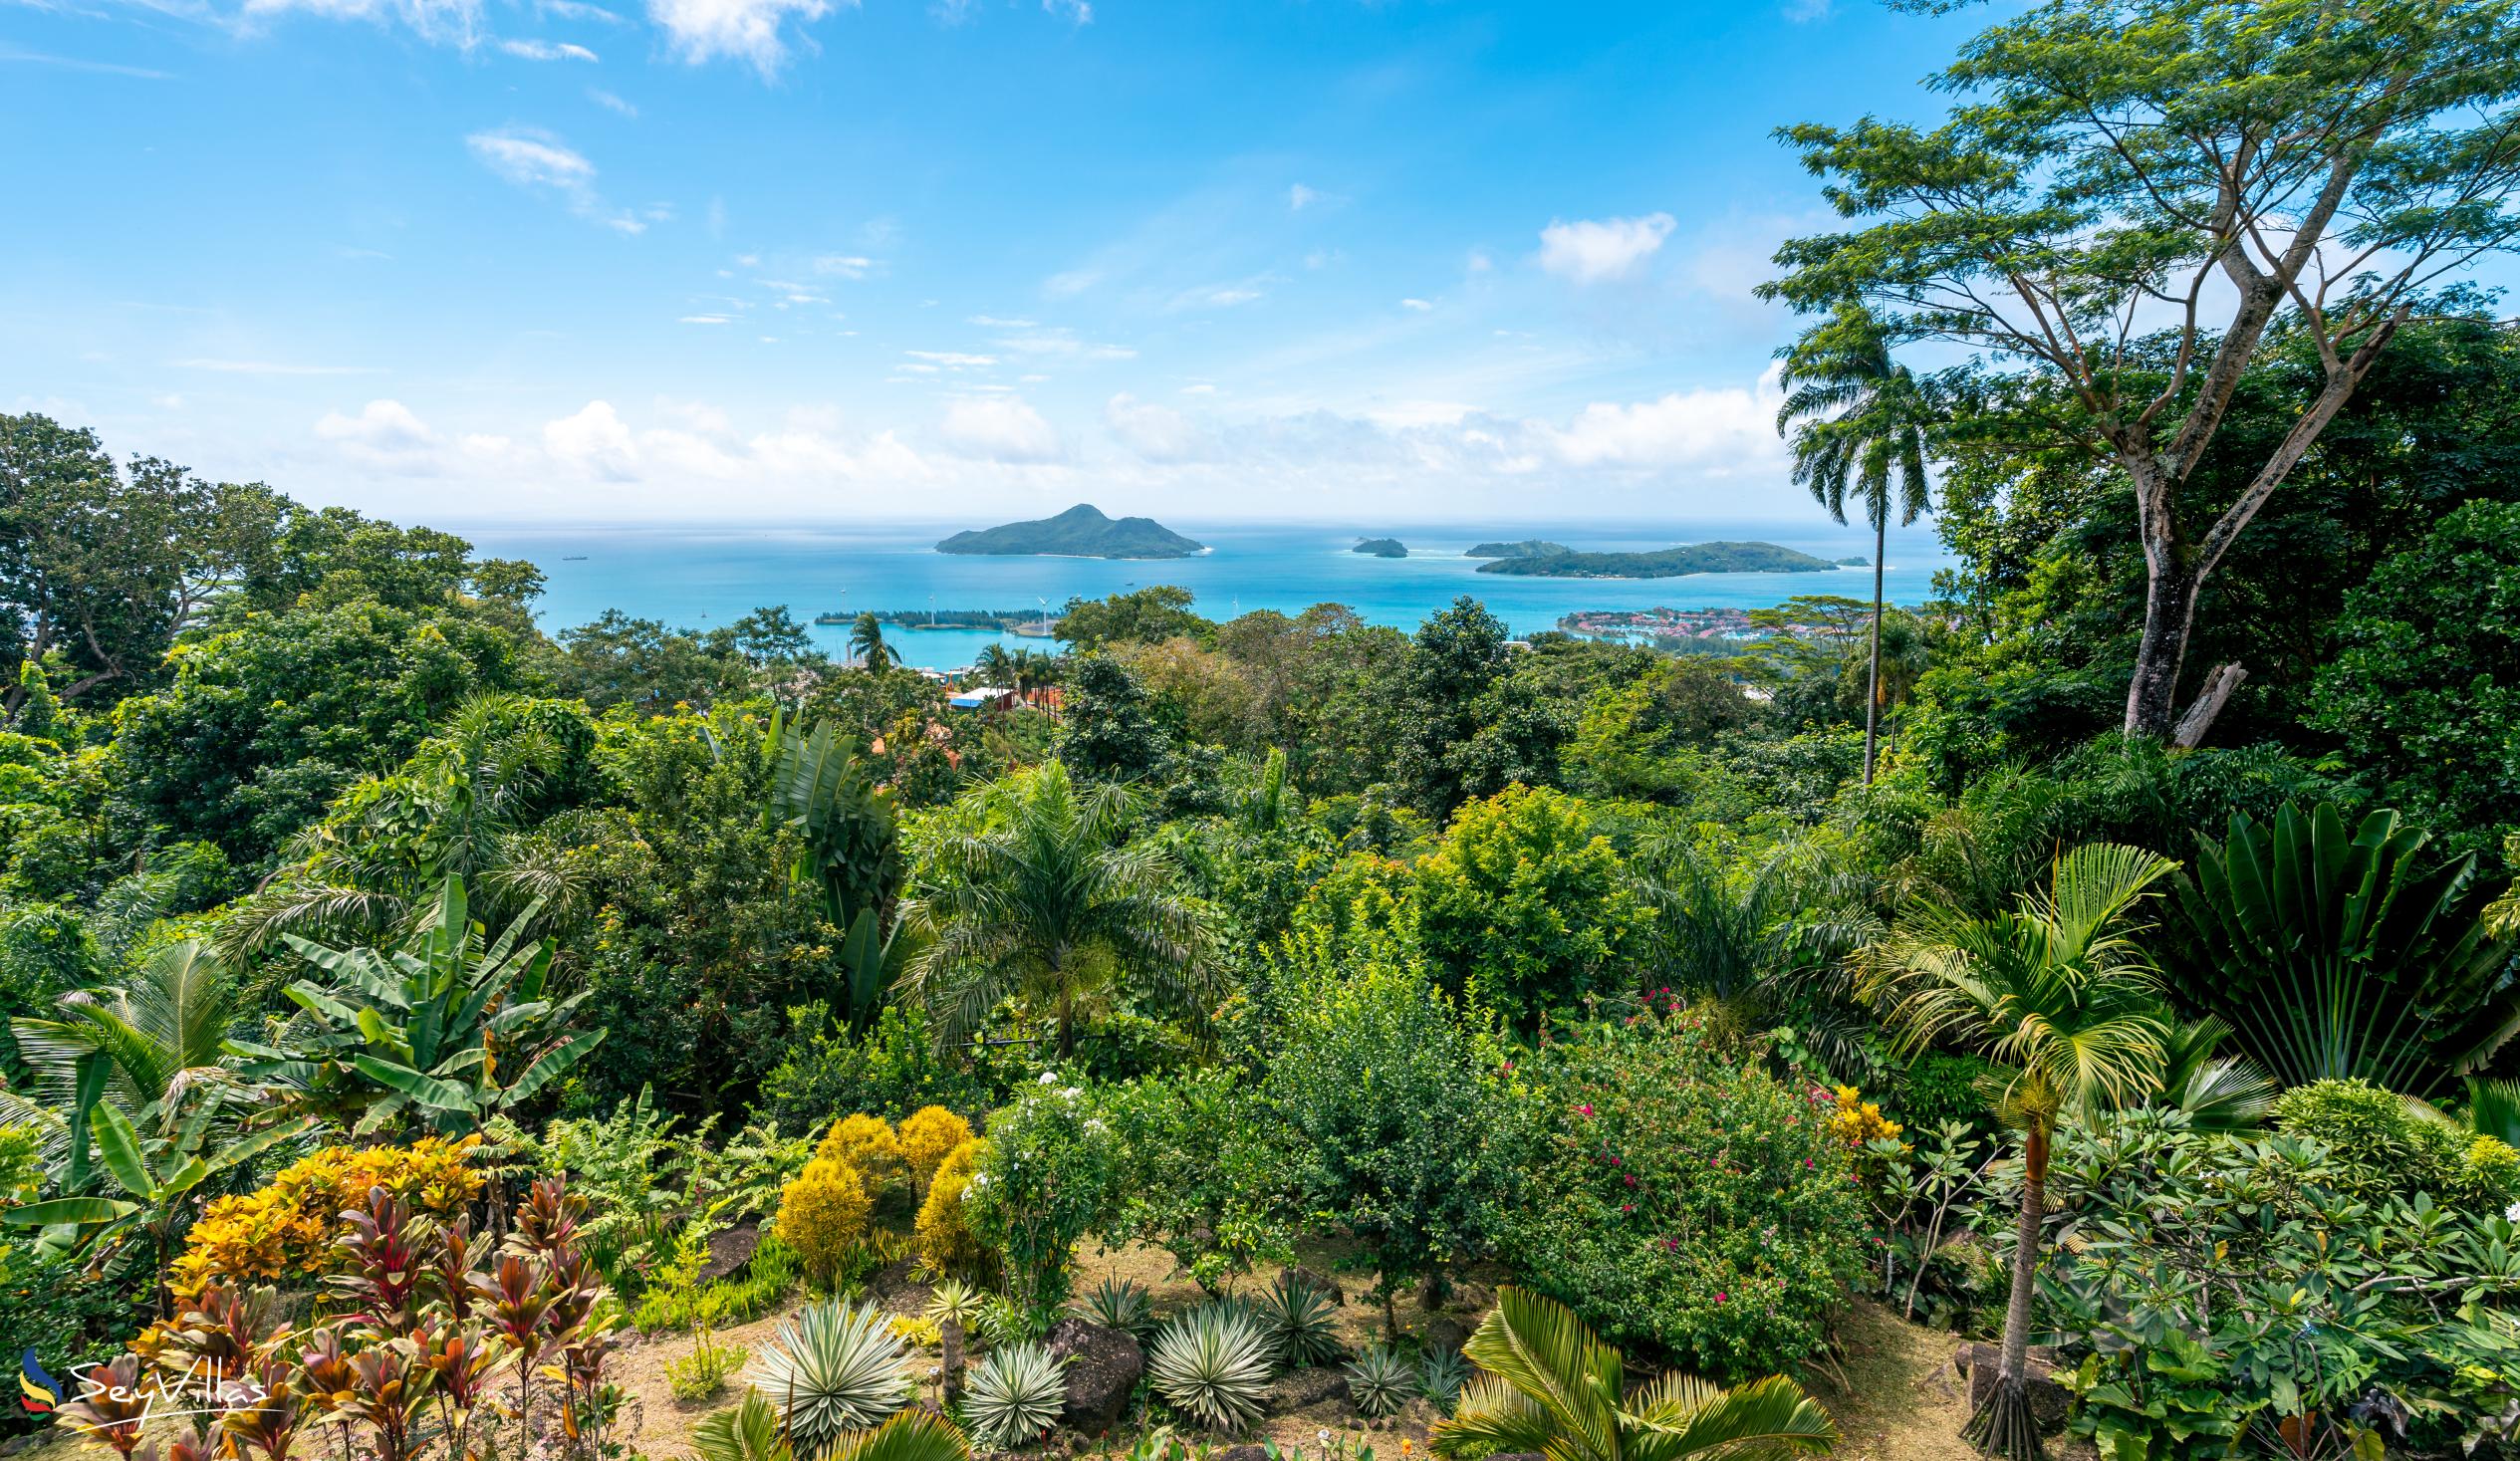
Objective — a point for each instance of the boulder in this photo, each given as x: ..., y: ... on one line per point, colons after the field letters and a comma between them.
x: 1103, y: 1367
x: 1240, y: 1453
x: 730, y: 1250
x: 1300, y: 1389
x: 1444, y: 1333
x: 2049, y: 1401
x: 1322, y: 1282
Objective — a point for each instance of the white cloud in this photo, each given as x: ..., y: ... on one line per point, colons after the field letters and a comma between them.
x: 1804, y: 12
x: 271, y: 368
x: 704, y: 319
x: 1594, y: 251
x: 1722, y: 429
x: 1071, y: 283
x: 72, y: 63
x: 456, y: 21
x: 845, y: 266
x: 547, y: 51
x: 1062, y: 343
x: 740, y: 30
x: 1075, y: 10
x: 577, y: 10
x: 1422, y: 306
x: 1156, y: 433
x: 1299, y: 195
x: 993, y: 321
x: 955, y: 360
x: 538, y: 161
x: 595, y: 442
x: 382, y: 426
x: 1001, y: 428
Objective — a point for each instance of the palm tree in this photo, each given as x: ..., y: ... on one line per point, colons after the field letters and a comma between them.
x: 865, y: 642
x: 1857, y: 420
x: 995, y: 666
x: 2057, y: 990
x: 1548, y: 1387
x: 1041, y: 896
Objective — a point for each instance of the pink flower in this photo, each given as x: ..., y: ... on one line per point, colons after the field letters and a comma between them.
x: 1719, y: 1295
x: 1626, y: 1207
x: 1613, y: 1162
x: 1585, y: 1108
x: 1806, y: 1163
x: 1631, y: 1179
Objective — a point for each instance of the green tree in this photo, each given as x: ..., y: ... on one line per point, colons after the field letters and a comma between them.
x: 638, y: 662
x: 865, y: 643
x: 1386, y: 1096
x: 1526, y: 909
x: 2057, y: 990
x: 1457, y: 657
x: 1548, y: 1387
x: 2113, y: 155
x: 1107, y: 729
x: 1034, y: 892
x: 1148, y: 615
x: 1856, y: 419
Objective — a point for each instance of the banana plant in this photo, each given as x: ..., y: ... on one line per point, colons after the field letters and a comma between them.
x: 849, y: 850
x: 156, y: 1176
x: 441, y: 1030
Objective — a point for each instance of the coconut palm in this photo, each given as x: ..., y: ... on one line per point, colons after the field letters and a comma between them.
x: 2055, y: 990
x: 865, y: 643
x: 994, y: 666
x: 1040, y: 896
x: 1547, y: 1386
x: 1856, y: 420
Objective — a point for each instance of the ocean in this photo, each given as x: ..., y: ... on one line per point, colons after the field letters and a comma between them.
x: 700, y: 577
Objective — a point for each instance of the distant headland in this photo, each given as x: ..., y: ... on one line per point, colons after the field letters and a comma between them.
x: 1668, y: 563
x: 1527, y: 548
x: 1081, y: 532
x: 1381, y: 548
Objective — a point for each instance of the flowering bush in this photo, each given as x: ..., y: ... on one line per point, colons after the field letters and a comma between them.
x: 1855, y: 1122
x: 822, y: 1216
x: 1050, y: 1174
x: 929, y: 1136
x: 286, y: 1230
x: 1682, y: 1200
x: 945, y: 1242
x: 2377, y: 1149
x: 867, y: 1144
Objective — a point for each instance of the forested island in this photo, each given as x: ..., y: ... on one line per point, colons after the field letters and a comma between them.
x: 1083, y: 531
x: 1666, y: 563
x: 1527, y: 548
x: 1381, y: 548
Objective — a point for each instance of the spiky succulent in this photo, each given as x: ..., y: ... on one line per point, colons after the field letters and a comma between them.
x: 1296, y: 1317
x: 1117, y: 1304
x: 1212, y: 1365
x: 1381, y: 1383
x: 834, y: 1368
x: 957, y: 1301
x: 1441, y: 1376
x: 1015, y: 1395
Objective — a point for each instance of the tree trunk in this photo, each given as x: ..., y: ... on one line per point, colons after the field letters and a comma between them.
x: 2216, y: 691
x: 2170, y: 612
x: 2004, y: 1426
x: 949, y: 1359
x: 1872, y: 683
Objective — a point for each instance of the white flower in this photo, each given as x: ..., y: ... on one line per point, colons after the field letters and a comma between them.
x: 1045, y: 1078
x: 2512, y: 1213
x: 1071, y: 1093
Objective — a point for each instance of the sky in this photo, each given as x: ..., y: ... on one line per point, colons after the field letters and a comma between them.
x: 1300, y: 260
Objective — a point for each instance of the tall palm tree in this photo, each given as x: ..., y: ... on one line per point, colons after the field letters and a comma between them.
x: 995, y: 666
x: 2055, y: 990
x: 1548, y: 1387
x: 1041, y: 896
x: 865, y: 642
x: 1856, y: 419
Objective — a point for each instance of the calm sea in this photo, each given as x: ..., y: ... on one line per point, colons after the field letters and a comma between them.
x: 699, y: 577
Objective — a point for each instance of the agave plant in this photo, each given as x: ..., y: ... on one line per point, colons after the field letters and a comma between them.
x: 834, y: 1368
x: 1212, y: 1364
x: 1117, y: 1304
x: 1554, y: 1390
x: 1296, y: 1317
x: 1441, y: 1376
x: 1015, y: 1395
x: 1381, y: 1383
x: 956, y: 1302
x: 749, y: 1431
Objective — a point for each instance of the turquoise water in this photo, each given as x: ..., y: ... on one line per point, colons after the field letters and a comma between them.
x: 699, y: 577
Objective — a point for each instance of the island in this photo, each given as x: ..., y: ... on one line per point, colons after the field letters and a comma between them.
x: 1381, y: 548
x: 1528, y: 548
x: 1081, y: 532
x: 1668, y: 563
x: 1854, y: 563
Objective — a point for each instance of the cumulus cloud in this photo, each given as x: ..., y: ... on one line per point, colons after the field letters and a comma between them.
x: 1156, y: 433
x: 383, y: 434
x: 753, y: 31
x: 1720, y: 429
x: 1422, y: 306
x: 1001, y: 428
x: 1594, y: 251
x: 595, y: 442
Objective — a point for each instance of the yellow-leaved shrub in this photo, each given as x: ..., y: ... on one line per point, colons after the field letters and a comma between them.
x: 929, y: 1136
x: 822, y: 1216
x: 286, y: 1230
x: 867, y: 1144
x: 945, y: 1241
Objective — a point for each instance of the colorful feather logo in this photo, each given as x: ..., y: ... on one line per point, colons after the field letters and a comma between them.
x: 41, y: 1392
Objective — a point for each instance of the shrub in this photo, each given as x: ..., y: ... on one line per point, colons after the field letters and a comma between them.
x: 1204, y: 1172
x: 867, y: 1144
x: 1381, y: 1383
x: 822, y: 1216
x: 1212, y: 1364
x: 702, y: 1373
x: 2378, y: 1147
x: 1050, y: 1174
x: 1296, y: 1317
x: 1944, y: 1088
x: 929, y: 1136
x: 1682, y: 1201
x: 285, y: 1231
x: 1015, y: 1395
x: 945, y: 1242
x: 1117, y: 1304
x: 1857, y: 1124
x: 834, y: 1368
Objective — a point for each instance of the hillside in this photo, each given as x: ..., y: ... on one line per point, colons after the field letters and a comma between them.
x: 1527, y: 548
x: 1668, y: 563
x: 1083, y: 531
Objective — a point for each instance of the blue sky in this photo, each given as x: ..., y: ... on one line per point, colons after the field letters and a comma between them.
x: 782, y: 259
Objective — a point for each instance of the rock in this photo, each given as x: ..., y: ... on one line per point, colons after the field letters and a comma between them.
x: 2049, y: 1401
x: 1103, y: 1368
x: 1298, y: 1388
x: 1444, y: 1333
x: 1239, y: 1453
x: 730, y: 1250
x: 1321, y: 1284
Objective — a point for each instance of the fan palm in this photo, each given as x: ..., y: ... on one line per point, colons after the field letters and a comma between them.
x: 1549, y: 1387
x: 1041, y: 896
x: 865, y: 642
x: 1856, y: 420
x: 2057, y: 990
